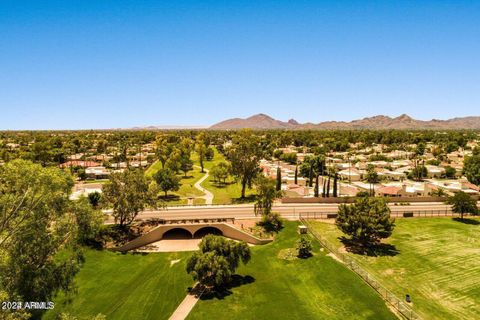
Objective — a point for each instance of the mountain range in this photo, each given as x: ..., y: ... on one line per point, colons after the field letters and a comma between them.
x: 263, y: 121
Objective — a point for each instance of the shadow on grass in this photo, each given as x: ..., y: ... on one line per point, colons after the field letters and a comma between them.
x: 170, y: 197
x: 467, y: 221
x: 374, y: 250
x: 247, y: 199
x: 222, y: 185
x: 221, y: 293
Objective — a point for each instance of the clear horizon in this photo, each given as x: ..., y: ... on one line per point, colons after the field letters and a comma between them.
x: 124, y: 64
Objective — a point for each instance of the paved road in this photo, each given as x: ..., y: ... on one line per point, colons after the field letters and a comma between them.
x: 288, y: 211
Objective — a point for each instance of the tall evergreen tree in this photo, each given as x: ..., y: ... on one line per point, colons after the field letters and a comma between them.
x: 335, y: 185
x: 316, y: 187
x: 278, y: 187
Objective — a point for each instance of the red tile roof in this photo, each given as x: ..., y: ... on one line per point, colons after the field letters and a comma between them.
x: 79, y: 163
x: 390, y: 190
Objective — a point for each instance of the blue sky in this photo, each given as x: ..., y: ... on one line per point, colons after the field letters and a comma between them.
x: 111, y: 64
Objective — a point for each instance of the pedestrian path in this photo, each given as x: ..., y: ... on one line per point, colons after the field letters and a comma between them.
x: 198, y: 185
x: 188, y: 303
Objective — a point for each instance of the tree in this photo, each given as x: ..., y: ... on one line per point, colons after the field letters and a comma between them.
x: 94, y: 198
x: 450, y: 172
x: 209, y: 154
x: 366, y: 221
x: 315, y: 190
x: 420, y: 150
x: 186, y: 164
x: 440, y: 192
x: 216, y: 261
x: 163, y: 149
x: 38, y: 255
x: 372, y: 178
x: 278, y: 186
x: 335, y: 185
x: 167, y: 180
x: 88, y: 220
x: 304, y: 248
x: 128, y: 193
x: 296, y: 174
x: 418, y: 173
x: 266, y: 195
x: 471, y: 168
x: 244, y: 155
x: 220, y: 172
x: 290, y: 158
x: 201, y: 148
x: 327, y: 192
x: 462, y: 203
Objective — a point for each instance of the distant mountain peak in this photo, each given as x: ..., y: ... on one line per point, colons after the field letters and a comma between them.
x: 404, y: 117
x: 404, y: 121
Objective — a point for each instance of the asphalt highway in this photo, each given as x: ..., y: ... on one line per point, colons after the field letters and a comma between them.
x: 287, y: 211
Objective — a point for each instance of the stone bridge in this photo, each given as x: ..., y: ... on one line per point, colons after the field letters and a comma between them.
x: 190, y: 231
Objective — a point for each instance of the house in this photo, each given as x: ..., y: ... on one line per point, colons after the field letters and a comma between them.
x: 97, y: 173
x: 435, y: 171
x: 79, y: 163
x: 390, y: 191
x: 350, y: 175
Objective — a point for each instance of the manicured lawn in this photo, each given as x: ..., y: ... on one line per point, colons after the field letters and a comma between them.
x: 186, y: 189
x: 228, y: 193
x: 315, y: 288
x: 223, y: 194
x: 438, y: 264
x: 129, y: 286
x: 157, y: 165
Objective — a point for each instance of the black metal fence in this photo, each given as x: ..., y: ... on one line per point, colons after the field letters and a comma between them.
x: 393, y: 214
x: 399, y: 305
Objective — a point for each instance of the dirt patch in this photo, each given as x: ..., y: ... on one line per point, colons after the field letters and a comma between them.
x: 172, y: 262
x: 287, y: 254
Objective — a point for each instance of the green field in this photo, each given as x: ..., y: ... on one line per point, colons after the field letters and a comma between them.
x: 186, y: 188
x: 223, y: 194
x: 315, y: 288
x: 127, y: 286
x: 438, y: 264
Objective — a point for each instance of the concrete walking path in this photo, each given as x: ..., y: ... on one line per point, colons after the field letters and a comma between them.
x: 198, y: 185
x: 187, y: 304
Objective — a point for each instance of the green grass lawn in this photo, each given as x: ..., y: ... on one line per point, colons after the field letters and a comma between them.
x: 223, y: 194
x: 438, y: 264
x: 315, y: 288
x: 228, y: 193
x: 127, y: 286
x: 186, y: 188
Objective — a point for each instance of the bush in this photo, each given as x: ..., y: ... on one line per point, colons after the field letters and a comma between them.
x: 304, y: 248
x: 271, y: 222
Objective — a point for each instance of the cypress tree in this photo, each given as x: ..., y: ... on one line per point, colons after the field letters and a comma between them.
x: 328, y: 187
x: 316, y: 187
x: 296, y: 174
x: 335, y: 185
x: 310, y: 176
x: 279, y: 179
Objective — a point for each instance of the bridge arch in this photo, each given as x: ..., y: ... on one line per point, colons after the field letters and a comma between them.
x: 177, y: 233
x: 202, y: 232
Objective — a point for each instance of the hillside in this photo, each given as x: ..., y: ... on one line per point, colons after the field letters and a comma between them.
x: 263, y: 121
